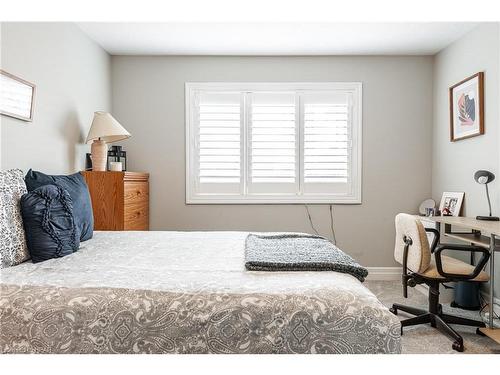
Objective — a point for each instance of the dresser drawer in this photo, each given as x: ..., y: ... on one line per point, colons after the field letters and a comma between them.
x: 135, y: 192
x: 136, y: 205
x: 136, y: 216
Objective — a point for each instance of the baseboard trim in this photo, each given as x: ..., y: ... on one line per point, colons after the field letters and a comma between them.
x: 384, y: 273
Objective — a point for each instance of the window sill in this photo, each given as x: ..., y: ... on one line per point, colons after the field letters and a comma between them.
x: 206, y: 199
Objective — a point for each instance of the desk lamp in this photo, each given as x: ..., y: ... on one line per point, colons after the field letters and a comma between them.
x: 484, y: 178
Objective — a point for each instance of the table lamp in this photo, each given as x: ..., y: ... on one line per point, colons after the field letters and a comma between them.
x: 104, y: 129
x: 484, y: 178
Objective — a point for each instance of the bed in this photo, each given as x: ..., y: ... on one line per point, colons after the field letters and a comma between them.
x: 184, y: 292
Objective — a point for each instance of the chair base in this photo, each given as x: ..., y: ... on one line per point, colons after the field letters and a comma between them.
x: 469, y: 308
x: 438, y: 320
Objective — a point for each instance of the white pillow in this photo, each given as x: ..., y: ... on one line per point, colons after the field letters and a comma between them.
x: 13, y: 249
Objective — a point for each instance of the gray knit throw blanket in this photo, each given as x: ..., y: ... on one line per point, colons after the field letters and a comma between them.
x: 298, y: 252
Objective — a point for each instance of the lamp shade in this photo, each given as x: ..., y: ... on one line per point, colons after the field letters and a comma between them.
x: 106, y: 128
x: 484, y: 177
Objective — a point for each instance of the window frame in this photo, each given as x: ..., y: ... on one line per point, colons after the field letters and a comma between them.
x: 351, y: 197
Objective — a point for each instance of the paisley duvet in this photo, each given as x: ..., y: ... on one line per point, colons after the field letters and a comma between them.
x: 184, y: 292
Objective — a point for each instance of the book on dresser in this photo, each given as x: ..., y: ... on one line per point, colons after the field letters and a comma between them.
x: 120, y: 200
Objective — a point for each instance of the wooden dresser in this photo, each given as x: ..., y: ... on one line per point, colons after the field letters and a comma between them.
x: 120, y: 200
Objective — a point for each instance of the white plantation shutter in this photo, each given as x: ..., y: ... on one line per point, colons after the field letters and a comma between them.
x: 218, y: 142
x: 327, y: 142
x: 273, y: 143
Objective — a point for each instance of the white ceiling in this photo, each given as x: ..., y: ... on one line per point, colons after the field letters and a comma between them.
x: 275, y: 38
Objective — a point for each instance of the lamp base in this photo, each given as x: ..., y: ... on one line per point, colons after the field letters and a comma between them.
x: 488, y: 218
x: 99, y: 150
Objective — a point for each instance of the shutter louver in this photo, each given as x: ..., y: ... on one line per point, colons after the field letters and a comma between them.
x: 219, y: 138
x: 273, y: 146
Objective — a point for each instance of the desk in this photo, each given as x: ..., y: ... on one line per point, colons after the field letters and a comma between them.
x: 476, y: 236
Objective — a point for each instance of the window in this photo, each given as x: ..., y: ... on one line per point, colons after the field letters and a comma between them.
x: 273, y: 143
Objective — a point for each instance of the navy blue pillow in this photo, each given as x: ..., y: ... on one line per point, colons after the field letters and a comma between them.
x: 48, y: 223
x: 77, y: 188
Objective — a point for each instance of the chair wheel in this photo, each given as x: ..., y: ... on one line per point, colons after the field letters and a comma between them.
x: 393, y: 310
x: 458, y: 346
x: 479, y: 332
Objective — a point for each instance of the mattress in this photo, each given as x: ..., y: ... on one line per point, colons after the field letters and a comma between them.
x: 184, y: 292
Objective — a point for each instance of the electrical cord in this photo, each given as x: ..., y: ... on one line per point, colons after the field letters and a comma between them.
x: 484, y: 305
x: 310, y: 220
x: 334, y: 238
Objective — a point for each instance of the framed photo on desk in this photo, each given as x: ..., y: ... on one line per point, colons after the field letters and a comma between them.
x: 451, y: 203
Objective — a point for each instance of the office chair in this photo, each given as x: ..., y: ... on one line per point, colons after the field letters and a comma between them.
x: 427, y: 265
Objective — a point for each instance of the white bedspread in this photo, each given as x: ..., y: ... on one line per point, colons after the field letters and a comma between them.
x: 204, y: 263
x: 171, y: 261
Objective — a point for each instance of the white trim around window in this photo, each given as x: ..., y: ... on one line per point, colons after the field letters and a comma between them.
x: 273, y: 143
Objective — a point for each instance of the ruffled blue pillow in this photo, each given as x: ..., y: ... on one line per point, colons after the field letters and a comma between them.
x: 49, y: 223
x: 75, y: 185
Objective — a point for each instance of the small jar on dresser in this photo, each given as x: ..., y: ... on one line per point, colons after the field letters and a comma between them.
x: 120, y: 200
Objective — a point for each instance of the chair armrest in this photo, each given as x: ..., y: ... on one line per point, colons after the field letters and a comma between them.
x: 435, y: 240
x: 463, y: 248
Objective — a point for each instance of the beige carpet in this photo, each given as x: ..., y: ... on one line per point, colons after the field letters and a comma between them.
x: 424, y: 338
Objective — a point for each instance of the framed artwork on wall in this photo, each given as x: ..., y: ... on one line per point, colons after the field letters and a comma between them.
x: 16, y: 97
x: 467, y: 108
x: 451, y: 203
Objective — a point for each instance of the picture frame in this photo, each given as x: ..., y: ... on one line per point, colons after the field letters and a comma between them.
x: 17, y: 97
x: 467, y: 108
x: 451, y: 203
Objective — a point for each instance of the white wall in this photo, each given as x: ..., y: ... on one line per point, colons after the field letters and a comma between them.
x: 72, y: 78
x: 454, y: 163
x: 148, y: 99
